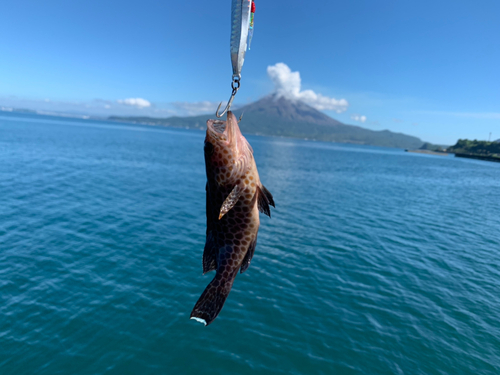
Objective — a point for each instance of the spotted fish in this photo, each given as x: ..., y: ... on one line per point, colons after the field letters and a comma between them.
x: 235, y: 196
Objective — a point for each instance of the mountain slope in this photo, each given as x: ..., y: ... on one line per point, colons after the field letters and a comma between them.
x: 278, y: 116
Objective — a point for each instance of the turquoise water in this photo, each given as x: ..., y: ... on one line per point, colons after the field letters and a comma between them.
x: 375, y: 261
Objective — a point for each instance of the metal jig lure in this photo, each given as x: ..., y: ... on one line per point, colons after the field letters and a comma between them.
x: 241, y: 24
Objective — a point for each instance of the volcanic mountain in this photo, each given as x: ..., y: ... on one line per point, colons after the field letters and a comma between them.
x: 279, y: 116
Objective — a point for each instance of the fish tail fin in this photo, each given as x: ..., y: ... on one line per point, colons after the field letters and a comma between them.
x: 211, y: 301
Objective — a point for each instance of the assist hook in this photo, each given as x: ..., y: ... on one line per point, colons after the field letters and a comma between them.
x: 235, y: 85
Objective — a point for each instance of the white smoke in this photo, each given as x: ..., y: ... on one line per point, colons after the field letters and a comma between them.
x: 287, y: 84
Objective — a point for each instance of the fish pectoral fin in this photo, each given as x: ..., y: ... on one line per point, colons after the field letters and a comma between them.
x: 264, y: 199
x: 248, y: 256
x: 231, y: 200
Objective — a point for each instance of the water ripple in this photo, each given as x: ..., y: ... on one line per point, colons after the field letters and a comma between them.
x: 375, y: 261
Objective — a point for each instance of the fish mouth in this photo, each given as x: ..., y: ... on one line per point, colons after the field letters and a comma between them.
x: 222, y: 130
x: 219, y: 126
x: 216, y: 131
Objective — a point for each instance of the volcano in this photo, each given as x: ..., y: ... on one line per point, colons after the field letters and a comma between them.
x: 278, y: 116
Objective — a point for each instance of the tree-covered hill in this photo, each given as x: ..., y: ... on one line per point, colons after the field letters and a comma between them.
x: 475, y: 147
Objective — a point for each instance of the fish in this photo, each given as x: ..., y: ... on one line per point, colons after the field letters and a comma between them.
x: 234, y: 198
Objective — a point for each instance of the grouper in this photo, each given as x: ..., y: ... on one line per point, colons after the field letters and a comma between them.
x: 235, y: 196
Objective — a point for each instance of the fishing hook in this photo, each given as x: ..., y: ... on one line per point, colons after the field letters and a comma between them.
x: 235, y: 85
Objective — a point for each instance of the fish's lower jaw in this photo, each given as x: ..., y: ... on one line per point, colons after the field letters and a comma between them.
x: 199, y: 320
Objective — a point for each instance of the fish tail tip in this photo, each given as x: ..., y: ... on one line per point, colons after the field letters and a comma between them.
x: 199, y: 320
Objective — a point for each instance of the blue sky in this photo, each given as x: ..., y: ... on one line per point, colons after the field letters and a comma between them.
x: 426, y: 68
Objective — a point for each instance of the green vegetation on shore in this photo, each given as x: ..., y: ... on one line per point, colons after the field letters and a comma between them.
x: 476, y: 148
x: 431, y: 147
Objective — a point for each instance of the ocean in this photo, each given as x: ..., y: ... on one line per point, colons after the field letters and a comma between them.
x: 375, y: 261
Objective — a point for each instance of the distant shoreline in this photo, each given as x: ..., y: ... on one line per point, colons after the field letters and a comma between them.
x: 429, y: 152
x: 329, y: 131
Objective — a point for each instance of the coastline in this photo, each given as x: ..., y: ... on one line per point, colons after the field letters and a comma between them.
x: 428, y: 152
x: 478, y: 157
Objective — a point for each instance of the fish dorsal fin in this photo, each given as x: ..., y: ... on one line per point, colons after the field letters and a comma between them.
x: 268, y: 195
x: 264, y: 199
x: 231, y: 200
x: 210, y: 253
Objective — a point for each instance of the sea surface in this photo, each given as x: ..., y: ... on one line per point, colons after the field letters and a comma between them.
x: 375, y: 261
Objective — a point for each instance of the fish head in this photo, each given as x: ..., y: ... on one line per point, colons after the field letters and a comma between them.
x: 227, y: 152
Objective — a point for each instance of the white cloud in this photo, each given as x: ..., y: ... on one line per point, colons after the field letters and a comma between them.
x: 478, y: 115
x: 288, y: 83
x: 135, y: 102
x: 358, y: 118
x: 105, y: 107
x: 197, y: 108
